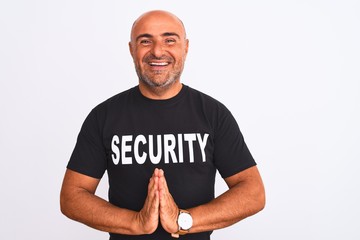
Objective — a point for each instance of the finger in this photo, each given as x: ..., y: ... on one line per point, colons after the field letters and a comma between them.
x: 152, y: 200
x: 152, y: 196
x: 163, y: 187
x: 149, y: 214
x: 155, y: 173
x: 153, y: 186
x: 161, y: 173
x: 166, y: 198
x: 168, y: 208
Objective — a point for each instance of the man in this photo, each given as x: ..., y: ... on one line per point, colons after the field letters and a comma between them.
x: 161, y: 143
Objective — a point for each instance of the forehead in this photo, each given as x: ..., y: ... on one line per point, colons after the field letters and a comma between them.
x: 156, y: 25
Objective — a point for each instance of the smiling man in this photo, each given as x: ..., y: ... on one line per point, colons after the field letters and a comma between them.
x: 159, y: 47
x: 161, y: 143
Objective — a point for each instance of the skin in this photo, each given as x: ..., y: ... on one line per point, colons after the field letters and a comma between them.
x: 159, y: 47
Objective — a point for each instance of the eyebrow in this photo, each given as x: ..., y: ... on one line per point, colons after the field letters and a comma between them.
x: 170, y: 34
x: 165, y: 34
x: 145, y: 35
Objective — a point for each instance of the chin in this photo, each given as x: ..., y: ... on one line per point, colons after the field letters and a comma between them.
x: 158, y: 84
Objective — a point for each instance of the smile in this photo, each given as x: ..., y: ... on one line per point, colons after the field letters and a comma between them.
x: 158, y: 63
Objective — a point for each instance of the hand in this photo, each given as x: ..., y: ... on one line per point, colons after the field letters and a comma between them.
x: 169, y: 211
x: 148, y: 217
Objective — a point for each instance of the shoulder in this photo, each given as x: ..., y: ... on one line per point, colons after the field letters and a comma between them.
x: 199, y: 95
x: 112, y: 104
x: 118, y: 98
x: 115, y: 101
x: 207, y: 102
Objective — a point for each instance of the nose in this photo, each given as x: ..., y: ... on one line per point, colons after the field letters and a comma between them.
x: 157, y: 50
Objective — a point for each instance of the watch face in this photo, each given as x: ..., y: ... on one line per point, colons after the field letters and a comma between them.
x: 185, y: 221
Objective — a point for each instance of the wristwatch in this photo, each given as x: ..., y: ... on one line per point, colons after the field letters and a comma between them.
x: 184, y: 222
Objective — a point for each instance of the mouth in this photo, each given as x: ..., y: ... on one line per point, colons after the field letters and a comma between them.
x: 158, y: 64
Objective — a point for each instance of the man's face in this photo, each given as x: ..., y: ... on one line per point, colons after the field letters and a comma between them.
x: 158, y: 47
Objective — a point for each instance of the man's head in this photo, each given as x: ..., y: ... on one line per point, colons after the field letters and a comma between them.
x: 159, y: 47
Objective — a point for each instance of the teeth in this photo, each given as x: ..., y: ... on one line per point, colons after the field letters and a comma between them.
x: 158, y: 64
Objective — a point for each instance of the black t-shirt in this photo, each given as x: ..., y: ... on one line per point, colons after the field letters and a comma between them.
x: 189, y: 136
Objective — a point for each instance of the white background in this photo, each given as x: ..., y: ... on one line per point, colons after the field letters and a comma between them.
x: 288, y: 70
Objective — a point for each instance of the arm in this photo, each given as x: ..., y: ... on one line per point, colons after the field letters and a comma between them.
x: 245, y: 197
x: 79, y: 202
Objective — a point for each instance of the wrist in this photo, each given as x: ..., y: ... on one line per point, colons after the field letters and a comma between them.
x: 141, y: 226
x: 170, y: 223
x: 184, y: 222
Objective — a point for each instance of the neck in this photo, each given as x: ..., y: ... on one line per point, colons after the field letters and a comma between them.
x: 160, y: 93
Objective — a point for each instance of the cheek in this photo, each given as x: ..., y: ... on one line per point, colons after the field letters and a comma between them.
x: 181, y: 54
x: 139, y: 55
x: 142, y: 56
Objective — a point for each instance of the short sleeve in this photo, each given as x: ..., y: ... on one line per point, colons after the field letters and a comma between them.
x: 89, y: 155
x: 231, y: 154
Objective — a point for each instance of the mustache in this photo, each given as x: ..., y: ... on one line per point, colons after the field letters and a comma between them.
x: 151, y: 57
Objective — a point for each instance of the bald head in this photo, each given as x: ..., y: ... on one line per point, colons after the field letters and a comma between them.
x: 155, y: 19
x: 159, y: 47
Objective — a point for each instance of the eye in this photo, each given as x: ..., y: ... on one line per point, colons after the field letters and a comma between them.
x: 170, y: 41
x: 145, y: 42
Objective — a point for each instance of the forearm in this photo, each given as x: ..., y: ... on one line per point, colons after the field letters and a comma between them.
x: 239, y: 202
x: 85, y: 207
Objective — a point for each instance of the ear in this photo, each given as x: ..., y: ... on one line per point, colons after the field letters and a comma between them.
x: 186, y: 46
x: 131, y: 49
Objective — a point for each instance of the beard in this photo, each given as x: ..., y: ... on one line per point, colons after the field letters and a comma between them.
x: 159, y: 79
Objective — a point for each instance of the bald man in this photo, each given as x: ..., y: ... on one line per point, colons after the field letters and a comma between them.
x: 161, y: 143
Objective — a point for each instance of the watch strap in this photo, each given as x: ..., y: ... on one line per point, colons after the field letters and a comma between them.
x: 181, y: 231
